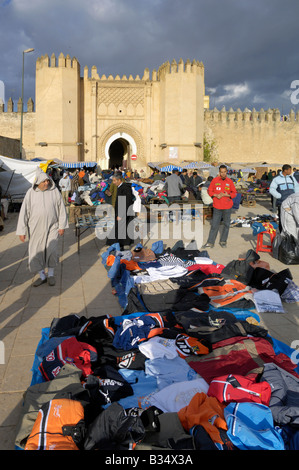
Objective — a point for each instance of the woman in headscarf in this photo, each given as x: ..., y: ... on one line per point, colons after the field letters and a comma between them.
x: 43, y: 218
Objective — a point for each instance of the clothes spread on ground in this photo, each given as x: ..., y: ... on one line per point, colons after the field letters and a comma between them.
x: 185, y: 363
x: 206, y: 411
x: 268, y: 301
x: 69, y: 351
x: 255, y: 222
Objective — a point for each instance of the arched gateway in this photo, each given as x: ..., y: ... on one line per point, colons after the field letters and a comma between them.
x: 119, y: 149
x: 108, y: 119
x: 118, y: 144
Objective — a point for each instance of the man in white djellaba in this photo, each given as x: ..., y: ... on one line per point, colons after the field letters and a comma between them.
x: 43, y: 219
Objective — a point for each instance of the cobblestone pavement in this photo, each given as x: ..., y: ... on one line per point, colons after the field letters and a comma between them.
x: 82, y: 287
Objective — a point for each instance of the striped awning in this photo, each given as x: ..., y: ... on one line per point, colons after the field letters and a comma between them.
x: 169, y: 168
x: 77, y: 164
x: 196, y: 165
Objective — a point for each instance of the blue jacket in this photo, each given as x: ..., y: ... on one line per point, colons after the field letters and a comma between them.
x: 283, y: 186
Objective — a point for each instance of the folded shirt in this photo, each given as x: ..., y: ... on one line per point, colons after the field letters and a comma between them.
x: 164, y: 272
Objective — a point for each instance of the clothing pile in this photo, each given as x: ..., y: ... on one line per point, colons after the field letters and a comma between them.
x: 94, y: 194
x: 91, y: 194
x: 185, y: 367
x: 241, y: 221
x: 256, y: 187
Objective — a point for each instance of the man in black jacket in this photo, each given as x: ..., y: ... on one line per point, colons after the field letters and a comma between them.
x: 123, y: 213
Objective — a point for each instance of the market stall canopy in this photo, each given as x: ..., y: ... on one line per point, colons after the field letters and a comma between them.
x: 77, y: 164
x: 237, y: 166
x: 269, y: 165
x: 248, y: 170
x: 154, y: 165
x: 196, y: 165
x: 17, y: 177
x: 164, y: 164
x: 170, y: 168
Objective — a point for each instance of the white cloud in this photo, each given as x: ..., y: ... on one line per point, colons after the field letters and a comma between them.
x: 233, y: 92
x: 211, y: 91
x: 257, y: 99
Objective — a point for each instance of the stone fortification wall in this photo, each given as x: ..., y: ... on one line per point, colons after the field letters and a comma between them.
x: 160, y: 115
x: 253, y: 136
x: 10, y: 127
x: 9, y: 147
x: 161, y: 110
x: 58, y: 108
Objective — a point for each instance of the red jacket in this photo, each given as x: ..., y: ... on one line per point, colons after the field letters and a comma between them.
x: 218, y: 185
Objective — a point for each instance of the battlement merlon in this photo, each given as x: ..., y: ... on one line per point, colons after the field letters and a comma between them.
x: 180, y: 67
x: 10, y: 108
x: 166, y: 68
x: 250, y: 116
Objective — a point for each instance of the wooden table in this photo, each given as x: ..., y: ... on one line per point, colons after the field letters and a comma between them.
x: 77, y: 211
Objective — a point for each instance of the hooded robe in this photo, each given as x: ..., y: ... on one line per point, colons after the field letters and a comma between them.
x: 42, y: 214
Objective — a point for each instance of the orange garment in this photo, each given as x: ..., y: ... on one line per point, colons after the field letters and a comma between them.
x: 205, y: 411
x: 130, y: 265
x: 188, y: 345
x: 221, y: 295
x: 47, y: 432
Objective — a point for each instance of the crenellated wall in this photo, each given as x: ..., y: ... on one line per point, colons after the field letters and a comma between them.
x: 10, y: 126
x: 159, y: 116
x: 253, y: 136
x: 160, y: 110
x: 58, y: 108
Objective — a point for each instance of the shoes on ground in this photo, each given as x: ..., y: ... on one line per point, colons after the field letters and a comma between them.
x: 39, y: 282
x: 208, y: 245
x: 51, y: 281
x: 223, y: 244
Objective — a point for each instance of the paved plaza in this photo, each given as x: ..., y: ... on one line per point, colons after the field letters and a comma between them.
x: 82, y: 287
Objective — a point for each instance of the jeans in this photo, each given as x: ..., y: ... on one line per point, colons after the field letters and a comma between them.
x: 218, y: 215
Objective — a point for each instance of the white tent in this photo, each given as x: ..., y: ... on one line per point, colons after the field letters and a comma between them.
x: 16, y: 176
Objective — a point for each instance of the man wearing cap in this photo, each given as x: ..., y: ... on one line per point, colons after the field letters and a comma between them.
x: 65, y: 187
x: 222, y: 190
x: 173, y: 186
x: 43, y: 218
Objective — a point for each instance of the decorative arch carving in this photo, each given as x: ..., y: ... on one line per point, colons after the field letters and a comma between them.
x: 127, y: 129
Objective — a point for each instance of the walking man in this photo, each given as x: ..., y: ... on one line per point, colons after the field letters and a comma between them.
x: 222, y: 190
x: 65, y: 187
x: 43, y: 218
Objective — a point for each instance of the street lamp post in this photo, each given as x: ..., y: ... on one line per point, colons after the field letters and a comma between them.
x: 22, y: 98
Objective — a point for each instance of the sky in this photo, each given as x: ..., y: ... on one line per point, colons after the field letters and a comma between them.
x: 249, y: 48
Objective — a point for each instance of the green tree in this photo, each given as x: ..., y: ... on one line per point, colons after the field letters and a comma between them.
x: 209, y: 149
